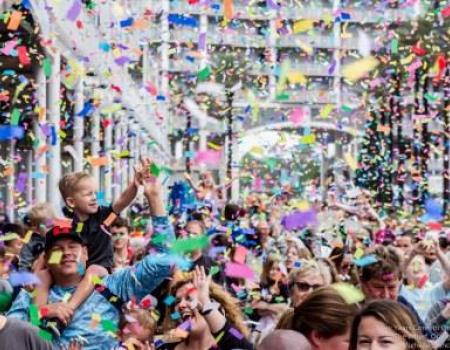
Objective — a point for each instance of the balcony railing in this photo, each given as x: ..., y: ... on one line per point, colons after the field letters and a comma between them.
x: 319, y: 40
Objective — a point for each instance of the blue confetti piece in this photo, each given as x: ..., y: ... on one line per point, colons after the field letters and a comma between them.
x: 126, y: 22
x: 53, y: 136
x: 366, y: 261
x: 88, y: 108
x: 23, y: 278
x: 181, y: 20
x: 169, y: 300
x: 105, y: 47
x: 345, y: 16
x: 175, y: 315
x: 11, y: 132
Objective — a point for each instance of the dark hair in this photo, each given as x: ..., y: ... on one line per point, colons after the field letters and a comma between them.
x: 395, y: 316
x: 232, y: 212
x: 388, y: 262
x: 324, y: 311
x: 120, y: 222
x: 12, y: 228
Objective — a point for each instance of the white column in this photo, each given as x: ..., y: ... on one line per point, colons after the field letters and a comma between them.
x: 145, y: 64
x: 53, y: 117
x: 29, y: 171
x: 164, y: 80
x: 235, y: 171
x: 108, y: 168
x: 95, y: 144
x: 337, y: 86
x: 117, y: 163
x: 125, y: 163
x: 78, y: 128
x: 40, y: 182
x: 273, y: 58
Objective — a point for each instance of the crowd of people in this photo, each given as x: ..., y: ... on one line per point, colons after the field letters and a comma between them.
x: 197, y: 272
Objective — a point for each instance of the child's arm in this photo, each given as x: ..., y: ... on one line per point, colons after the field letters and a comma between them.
x: 125, y: 198
x: 41, y: 290
x: 86, y: 287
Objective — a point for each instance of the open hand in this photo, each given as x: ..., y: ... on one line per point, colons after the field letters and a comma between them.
x: 201, y: 282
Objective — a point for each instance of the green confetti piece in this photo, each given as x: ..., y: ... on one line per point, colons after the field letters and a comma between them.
x: 47, y: 66
x: 109, y: 326
x: 248, y: 310
x: 159, y: 238
x: 346, y: 108
x: 47, y: 336
x: 204, y: 73
x: 189, y: 244
x: 283, y: 96
x: 213, y: 270
x: 15, y: 116
x: 155, y: 170
x: 279, y: 299
x: 394, y: 46
x: 34, y: 315
x: 5, y: 301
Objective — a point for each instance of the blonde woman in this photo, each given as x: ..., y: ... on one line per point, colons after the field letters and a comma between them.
x: 208, y: 316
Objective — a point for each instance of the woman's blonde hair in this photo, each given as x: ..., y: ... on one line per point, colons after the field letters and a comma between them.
x: 302, y: 251
x: 217, y: 293
x: 395, y: 316
x: 309, y: 267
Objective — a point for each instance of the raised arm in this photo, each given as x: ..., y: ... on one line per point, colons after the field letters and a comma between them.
x: 130, y: 192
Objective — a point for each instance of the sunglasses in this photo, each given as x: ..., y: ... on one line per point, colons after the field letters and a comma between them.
x: 305, y: 287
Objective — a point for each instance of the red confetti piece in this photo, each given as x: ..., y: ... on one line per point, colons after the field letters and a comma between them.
x: 22, y: 52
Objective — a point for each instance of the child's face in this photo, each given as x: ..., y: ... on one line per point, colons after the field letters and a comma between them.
x: 133, y: 329
x: 84, y: 200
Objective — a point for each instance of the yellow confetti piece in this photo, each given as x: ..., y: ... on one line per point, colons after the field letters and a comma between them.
x: 55, y: 258
x: 27, y: 237
x: 356, y: 70
x: 79, y: 227
x: 10, y: 237
x: 214, y: 146
x: 349, y: 293
x: 297, y: 78
x: 351, y: 162
x: 326, y: 110
x: 303, y: 25
x: 96, y: 280
x: 308, y: 139
x: 359, y: 253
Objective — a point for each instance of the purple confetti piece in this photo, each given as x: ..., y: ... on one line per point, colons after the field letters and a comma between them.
x: 120, y: 61
x: 332, y: 67
x: 236, y: 333
x: 74, y: 11
x: 273, y: 4
x: 202, y: 41
x: 21, y: 182
x: 23, y: 278
x: 299, y: 219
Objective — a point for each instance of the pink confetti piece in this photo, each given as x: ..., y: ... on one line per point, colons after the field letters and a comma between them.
x: 238, y: 271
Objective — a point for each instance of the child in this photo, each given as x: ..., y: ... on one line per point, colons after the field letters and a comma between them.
x: 38, y: 220
x: 137, y: 330
x: 13, y: 239
x: 90, y: 221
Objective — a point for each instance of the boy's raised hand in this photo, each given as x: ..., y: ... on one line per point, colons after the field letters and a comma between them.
x: 142, y: 171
